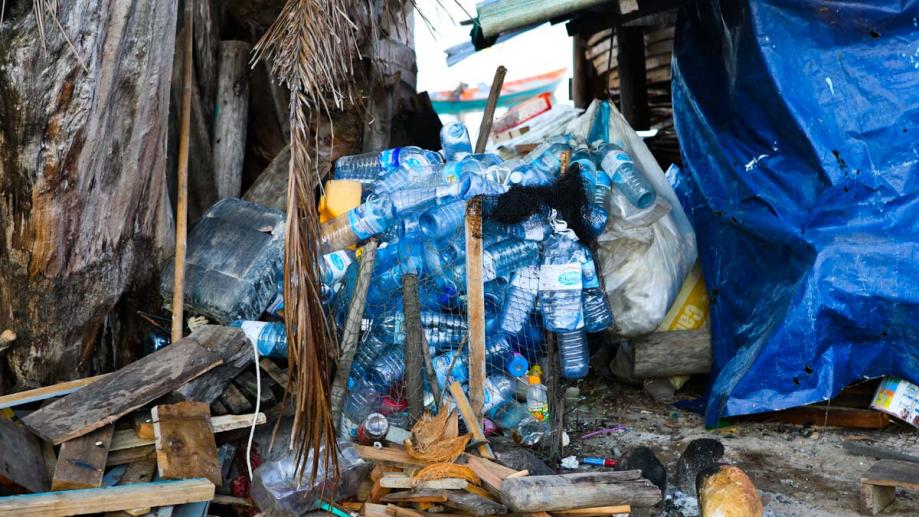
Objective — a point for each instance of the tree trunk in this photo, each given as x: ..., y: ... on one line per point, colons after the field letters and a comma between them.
x: 82, y: 174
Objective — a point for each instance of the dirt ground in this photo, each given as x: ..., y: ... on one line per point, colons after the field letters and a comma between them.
x: 800, y: 471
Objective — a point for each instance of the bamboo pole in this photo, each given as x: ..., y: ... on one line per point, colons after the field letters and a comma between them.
x: 178, y: 286
x: 488, y: 116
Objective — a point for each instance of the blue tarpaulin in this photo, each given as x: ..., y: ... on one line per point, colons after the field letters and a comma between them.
x: 798, y: 125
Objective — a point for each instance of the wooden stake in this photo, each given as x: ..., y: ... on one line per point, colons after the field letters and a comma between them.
x: 178, y: 286
x: 472, y: 423
x: 475, y: 302
x: 414, y: 387
x: 352, y: 330
x: 488, y: 116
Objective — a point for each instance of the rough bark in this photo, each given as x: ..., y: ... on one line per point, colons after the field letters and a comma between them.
x: 82, y: 161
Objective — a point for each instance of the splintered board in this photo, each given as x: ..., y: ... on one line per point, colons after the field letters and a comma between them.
x: 185, y: 444
x: 121, y: 392
x: 81, y: 461
x: 22, y: 469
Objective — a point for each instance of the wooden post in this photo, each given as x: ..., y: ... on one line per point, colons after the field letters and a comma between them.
x: 414, y: 385
x: 178, y: 286
x: 475, y: 303
x: 352, y: 330
x: 230, y: 117
x: 489, y: 115
x: 556, y: 389
x: 580, y: 93
x: 633, y: 87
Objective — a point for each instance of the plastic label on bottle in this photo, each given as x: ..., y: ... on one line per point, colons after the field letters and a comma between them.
x: 560, y: 277
x: 389, y: 159
x: 252, y: 329
x: 589, y: 277
x: 338, y: 263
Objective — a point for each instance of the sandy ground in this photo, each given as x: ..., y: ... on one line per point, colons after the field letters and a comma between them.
x: 800, y: 471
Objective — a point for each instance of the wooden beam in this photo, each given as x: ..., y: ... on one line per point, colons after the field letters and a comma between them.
x: 472, y: 423
x: 825, y: 415
x: 475, y: 303
x: 414, y: 338
x: 234, y: 399
x: 867, y: 449
x: 397, y: 511
x: 416, y: 496
x: 46, y: 392
x: 402, y: 480
x: 488, y: 116
x: 678, y: 352
x: 81, y: 461
x: 121, y: 392
x: 280, y: 376
x: 185, y: 444
x: 128, y: 438
x: 474, y: 504
x: 25, y: 468
x: 596, y: 511
x: 230, y: 117
x: 98, y: 500
x: 126, y: 456
x: 582, y: 490
x: 387, y: 456
x: 491, y: 474
x: 234, y: 350
x: 137, y: 472
x: 633, y: 88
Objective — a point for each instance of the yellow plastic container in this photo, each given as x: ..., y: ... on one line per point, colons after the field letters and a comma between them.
x: 339, y: 197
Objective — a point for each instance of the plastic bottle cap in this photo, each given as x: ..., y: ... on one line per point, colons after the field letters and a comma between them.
x: 517, y: 366
x: 533, y: 379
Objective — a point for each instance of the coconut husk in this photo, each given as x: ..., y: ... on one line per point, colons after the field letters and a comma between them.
x: 444, y: 471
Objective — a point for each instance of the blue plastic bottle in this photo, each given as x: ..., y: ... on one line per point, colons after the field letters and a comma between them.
x: 560, y: 283
x: 454, y: 139
x: 520, y: 302
x: 505, y: 257
x: 440, y: 221
x: 573, y: 354
x: 508, y: 415
x: 368, y: 350
x: 368, y: 167
x: 500, y: 355
x: 373, y: 216
x: 415, y: 198
x: 269, y: 338
x: 597, y: 314
x: 534, y: 228
x: 442, y: 362
x: 627, y: 178
x: 498, y: 389
x: 599, y: 126
x: 408, y: 177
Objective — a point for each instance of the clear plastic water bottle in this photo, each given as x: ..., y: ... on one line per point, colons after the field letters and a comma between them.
x: 500, y: 354
x: 454, y: 139
x: 495, y: 293
x: 443, y: 373
x: 546, y: 157
x: 597, y: 313
x: 509, y: 414
x: 627, y: 178
x: 269, y: 338
x: 409, y: 199
x: 520, y: 302
x: 534, y: 228
x: 599, y: 126
x: 560, y: 283
x: 602, y: 189
x: 408, y: 177
x: 525, y: 175
x: 368, y: 350
x: 573, y: 354
x: 440, y: 330
x: 364, y: 399
x: 440, y: 221
x: 483, y: 186
x: 505, y: 257
x: 368, y: 167
x: 498, y: 389
x: 388, y: 369
x: 589, y: 176
x: 370, y: 218
x: 333, y: 266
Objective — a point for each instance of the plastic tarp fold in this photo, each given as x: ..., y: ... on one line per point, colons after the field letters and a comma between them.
x: 798, y: 126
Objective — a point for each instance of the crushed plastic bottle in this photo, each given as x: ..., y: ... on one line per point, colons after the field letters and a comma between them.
x: 508, y: 415
x: 442, y: 220
x: 368, y: 167
x: 573, y: 354
x: 521, y: 300
x: 597, y: 313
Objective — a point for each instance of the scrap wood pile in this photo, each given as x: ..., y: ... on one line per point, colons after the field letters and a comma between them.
x: 430, y: 474
x: 140, y: 438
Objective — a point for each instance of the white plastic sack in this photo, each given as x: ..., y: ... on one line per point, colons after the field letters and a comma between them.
x: 644, y: 255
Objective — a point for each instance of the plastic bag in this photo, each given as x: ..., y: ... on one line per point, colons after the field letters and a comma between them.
x: 644, y: 255
x: 277, y: 487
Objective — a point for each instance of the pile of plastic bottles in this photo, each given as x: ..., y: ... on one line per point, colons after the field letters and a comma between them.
x: 538, y: 276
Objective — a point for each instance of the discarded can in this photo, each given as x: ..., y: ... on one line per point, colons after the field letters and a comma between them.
x: 898, y: 398
x: 373, y: 429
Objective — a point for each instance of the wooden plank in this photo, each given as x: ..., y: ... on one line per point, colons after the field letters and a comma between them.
x: 475, y: 303
x: 883, y: 453
x: 490, y: 476
x: 137, y: 472
x: 873, y: 499
x: 280, y: 376
x: 234, y: 400
x: 903, y: 474
x: 474, y: 504
x: 462, y: 403
x: 131, y: 455
x: 234, y: 350
x: 398, y: 511
x: 387, y: 455
x: 185, y: 444
x: 81, y: 461
x: 228, y: 500
x: 98, y: 500
x: 825, y: 415
x: 374, y: 510
x: 583, y: 490
x: 416, y: 496
x: 24, y: 468
x: 123, y: 391
x: 403, y: 480
x: 46, y: 392
x: 249, y: 386
x: 230, y: 117
x: 595, y: 511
